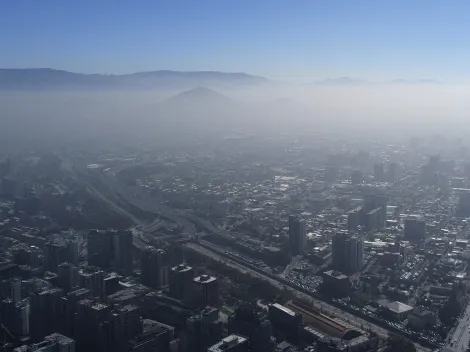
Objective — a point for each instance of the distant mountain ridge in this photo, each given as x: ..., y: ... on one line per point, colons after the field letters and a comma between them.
x: 46, y: 78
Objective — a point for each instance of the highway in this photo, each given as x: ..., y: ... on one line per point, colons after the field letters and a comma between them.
x: 353, y: 320
x: 459, y: 337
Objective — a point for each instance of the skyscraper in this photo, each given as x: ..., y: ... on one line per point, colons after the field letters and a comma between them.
x: 123, y: 252
x: 206, y: 290
x: 248, y: 321
x: 68, y: 277
x: 379, y: 172
x: 347, y: 253
x: 203, y: 330
x: 45, y: 312
x: 11, y: 288
x: 100, y: 246
x: 124, y: 324
x: 297, y: 235
x: 154, y: 268
x: 92, y: 278
x: 181, y: 278
x: 55, y: 253
x: 355, y: 255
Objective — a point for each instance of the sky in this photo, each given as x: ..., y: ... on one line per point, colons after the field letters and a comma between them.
x: 297, y: 40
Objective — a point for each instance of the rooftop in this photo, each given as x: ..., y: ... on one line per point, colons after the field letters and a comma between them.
x: 204, y: 278
x: 398, y: 307
x: 229, y: 341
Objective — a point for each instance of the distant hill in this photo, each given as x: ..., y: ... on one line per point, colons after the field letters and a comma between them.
x: 50, y: 79
x: 342, y: 81
x: 198, y: 95
x: 414, y: 82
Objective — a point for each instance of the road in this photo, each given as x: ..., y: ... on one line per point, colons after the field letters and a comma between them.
x: 353, y: 320
x: 459, y: 337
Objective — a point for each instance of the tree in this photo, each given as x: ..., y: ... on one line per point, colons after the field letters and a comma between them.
x: 399, y: 343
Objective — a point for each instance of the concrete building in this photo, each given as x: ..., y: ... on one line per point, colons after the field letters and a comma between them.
x: 203, y: 330
x: 68, y: 277
x: 285, y: 321
x: 45, y: 313
x: 206, y: 290
x: 232, y: 343
x: 52, y: 343
x: 297, y: 235
x: 336, y: 284
x: 92, y: 278
x: 415, y: 229
x: 181, y: 278
x: 379, y: 172
x: 399, y: 311
x: 55, y: 253
x: 332, y: 327
x: 354, y: 218
x: 154, y: 267
x: 347, y: 253
x: 123, y: 253
x: 100, y: 245
x: 247, y: 321
x: 421, y: 318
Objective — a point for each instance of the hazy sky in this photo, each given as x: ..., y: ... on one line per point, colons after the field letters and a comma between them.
x: 375, y: 40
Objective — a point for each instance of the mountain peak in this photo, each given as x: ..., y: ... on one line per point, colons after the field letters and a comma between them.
x: 199, y: 94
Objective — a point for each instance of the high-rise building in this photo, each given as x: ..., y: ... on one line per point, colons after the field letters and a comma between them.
x: 92, y: 278
x: 124, y: 325
x: 72, y: 246
x: 55, y: 253
x: 92, y: 332
x: 203, y: 330
x: 100, y: 245
x: 355, y: 254
x: 374, y: 212
x: 297, y: 235
x: 206, y: 291
x: 248, y: 321
x: 123, y: 252
x: 347, y: 253
x: 154, y: 267
x: 286, y: 323
x: 15, y: 317
x: 45, y: 313
x: 463, y: 209
x: 11, y: 288
x: 392, y: 172
x: 232, y: 343
x: 68, y: 277
x: 53, y: 342
x: 157, y: 338
x: 69, y: 303
x: 354, y: 218
x: 181, y: 278
x: 26, y: 255
x: 415, y: 229
x: 336, y: 284
x: 379, y: 172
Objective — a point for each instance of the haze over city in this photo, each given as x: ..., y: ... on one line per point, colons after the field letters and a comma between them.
x: 237, y: 176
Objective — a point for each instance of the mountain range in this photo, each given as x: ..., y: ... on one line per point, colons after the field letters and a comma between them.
x: 45, y: 78
x: 51, y: 79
